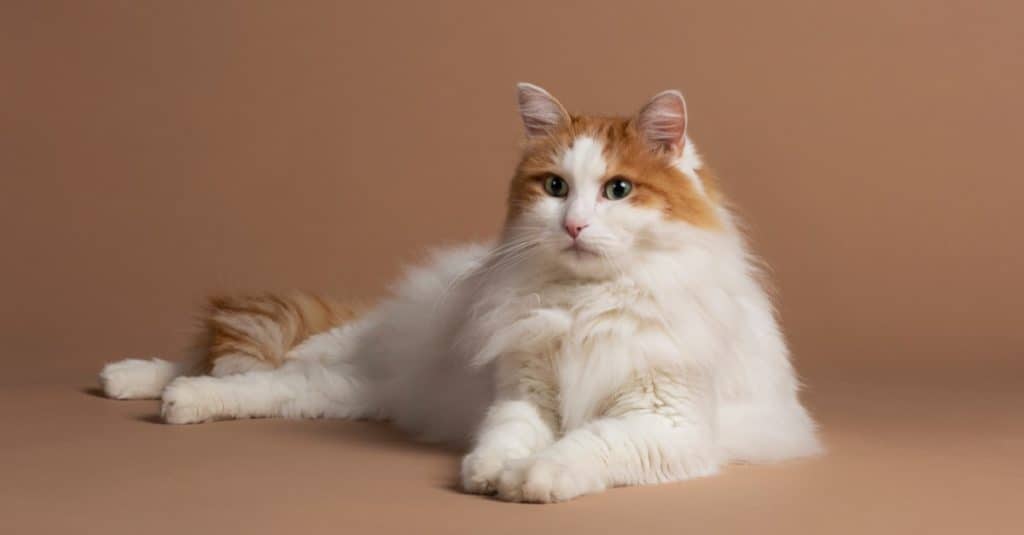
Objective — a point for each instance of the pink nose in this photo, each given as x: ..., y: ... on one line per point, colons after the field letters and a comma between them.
x: 574, y: 228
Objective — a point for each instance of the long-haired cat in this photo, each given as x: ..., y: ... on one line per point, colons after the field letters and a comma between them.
x: 616, y: 333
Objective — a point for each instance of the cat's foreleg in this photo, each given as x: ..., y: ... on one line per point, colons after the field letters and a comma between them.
x: 298, y: 389
x: 521, y: 422
x: 657, y: 429
x: 513, y: 429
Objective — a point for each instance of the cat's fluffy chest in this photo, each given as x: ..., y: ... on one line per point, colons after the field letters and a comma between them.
x: 581, y: 343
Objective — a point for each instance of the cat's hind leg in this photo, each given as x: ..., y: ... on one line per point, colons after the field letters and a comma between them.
x: 240, y: 334
x: 138, y: 378
x: 298, y: 389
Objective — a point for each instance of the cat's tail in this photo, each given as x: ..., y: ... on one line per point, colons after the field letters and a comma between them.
x: 239, y: 334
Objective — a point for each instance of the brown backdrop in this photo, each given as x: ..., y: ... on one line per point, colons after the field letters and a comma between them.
x: 151, y: 152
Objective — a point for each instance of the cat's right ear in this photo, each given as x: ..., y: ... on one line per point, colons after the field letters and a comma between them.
x: 541, y: 112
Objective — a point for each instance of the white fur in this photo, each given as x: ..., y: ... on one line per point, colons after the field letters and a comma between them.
x: 689, y: 163
x: 654, y: 356
x: 138, y: 379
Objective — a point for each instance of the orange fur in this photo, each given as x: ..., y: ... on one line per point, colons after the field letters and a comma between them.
x: 657, y: 184
x: 265, y: 327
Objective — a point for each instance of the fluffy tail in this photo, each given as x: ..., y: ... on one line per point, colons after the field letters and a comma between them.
x: 239, y: 334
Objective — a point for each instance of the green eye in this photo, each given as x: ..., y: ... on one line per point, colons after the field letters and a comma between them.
x: 556, y: 186
x: 617, y: 188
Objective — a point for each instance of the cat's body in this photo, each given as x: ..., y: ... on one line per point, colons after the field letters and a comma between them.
x: 642, y: 350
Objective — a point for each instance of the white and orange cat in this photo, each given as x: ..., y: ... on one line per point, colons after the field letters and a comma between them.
x: 615, y: 334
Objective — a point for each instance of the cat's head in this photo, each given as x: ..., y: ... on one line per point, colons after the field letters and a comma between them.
x: 594, y: 195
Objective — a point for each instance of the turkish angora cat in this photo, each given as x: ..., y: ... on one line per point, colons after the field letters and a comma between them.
x: 616, y: 334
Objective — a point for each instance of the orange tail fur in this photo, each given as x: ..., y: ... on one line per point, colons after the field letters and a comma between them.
x: 265, y: 327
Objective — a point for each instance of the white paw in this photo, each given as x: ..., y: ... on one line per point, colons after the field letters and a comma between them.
x: 133, y: 379
x: 539, y: 480
x: 481, y: 468
x: 189, y: 400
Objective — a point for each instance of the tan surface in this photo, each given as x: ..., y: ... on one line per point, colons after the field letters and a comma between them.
x: 934, y: 452
x: 152, y: 152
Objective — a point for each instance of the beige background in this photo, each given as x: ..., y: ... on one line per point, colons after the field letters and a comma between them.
x: 151, y: 152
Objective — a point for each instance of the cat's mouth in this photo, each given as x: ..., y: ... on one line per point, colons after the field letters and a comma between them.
x: 580, y: 250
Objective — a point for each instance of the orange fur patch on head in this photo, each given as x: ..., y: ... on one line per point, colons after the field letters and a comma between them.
x: 657, y: 183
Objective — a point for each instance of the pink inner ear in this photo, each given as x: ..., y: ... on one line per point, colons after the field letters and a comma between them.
x: 539, y: 110
x: 662, y: 122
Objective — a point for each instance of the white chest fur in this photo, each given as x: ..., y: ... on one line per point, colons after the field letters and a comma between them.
x: 574, y: 348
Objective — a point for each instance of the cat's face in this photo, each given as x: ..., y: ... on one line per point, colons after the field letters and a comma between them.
x: 594, y: 195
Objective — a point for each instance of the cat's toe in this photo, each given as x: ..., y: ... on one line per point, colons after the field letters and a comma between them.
x: 510, y: 481
x: 542, y: 481
x: 184, y: 402
x: 481, y: 469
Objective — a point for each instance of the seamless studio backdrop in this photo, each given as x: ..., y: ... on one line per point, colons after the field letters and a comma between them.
x: 152, y: 153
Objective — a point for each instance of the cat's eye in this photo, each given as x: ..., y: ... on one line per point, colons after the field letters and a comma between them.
x: 556, y: 186
x: 618, y: 188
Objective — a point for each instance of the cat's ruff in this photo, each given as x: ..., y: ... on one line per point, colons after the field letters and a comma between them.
x: 616, y: 334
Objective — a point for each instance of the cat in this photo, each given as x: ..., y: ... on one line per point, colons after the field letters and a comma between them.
x: 617, y: 333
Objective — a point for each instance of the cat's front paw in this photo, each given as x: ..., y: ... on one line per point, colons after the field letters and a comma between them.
x: 481, y: 468
x: 540, y: 480
x: 187, y: 400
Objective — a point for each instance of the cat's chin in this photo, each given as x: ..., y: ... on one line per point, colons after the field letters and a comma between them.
x: 585, y: 263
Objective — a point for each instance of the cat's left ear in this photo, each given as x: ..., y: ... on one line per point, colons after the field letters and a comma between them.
x: 662, y: 123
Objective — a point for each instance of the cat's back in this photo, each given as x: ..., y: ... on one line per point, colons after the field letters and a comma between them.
x: 409, y: 333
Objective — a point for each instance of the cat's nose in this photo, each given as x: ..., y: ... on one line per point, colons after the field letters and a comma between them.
x: 574, y: 228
